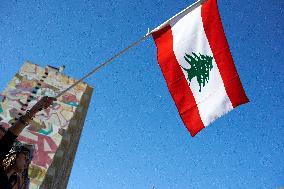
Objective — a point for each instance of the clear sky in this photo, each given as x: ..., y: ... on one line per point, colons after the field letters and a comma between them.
x: 133, y: 137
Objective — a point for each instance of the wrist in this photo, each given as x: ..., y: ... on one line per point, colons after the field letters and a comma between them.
x: 25, y: 119
x: 28, y: 116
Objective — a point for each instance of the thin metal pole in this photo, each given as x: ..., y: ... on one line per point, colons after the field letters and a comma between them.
x: 104, y: 63
x: 184, y: 11
x: 188, y: 9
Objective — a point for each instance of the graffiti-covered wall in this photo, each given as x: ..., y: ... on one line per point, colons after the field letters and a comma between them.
x: 52, y: 130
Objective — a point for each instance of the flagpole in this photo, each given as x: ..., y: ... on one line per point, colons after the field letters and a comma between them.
x: 105, y: 63
x: 186, y: 10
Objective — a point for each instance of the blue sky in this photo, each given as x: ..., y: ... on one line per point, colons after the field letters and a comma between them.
x: 133, y: 136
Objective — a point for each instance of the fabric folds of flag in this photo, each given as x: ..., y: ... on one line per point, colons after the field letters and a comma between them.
x: 197, y: 65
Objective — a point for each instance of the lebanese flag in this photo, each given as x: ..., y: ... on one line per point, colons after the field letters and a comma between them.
x: 196, y: 62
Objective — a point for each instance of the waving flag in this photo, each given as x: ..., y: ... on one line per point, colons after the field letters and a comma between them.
x: 196, y: 62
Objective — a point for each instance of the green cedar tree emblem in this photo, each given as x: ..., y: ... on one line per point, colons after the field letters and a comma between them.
x: 200, y: 66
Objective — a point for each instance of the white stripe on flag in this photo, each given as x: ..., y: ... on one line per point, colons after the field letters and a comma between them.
x: 188, y: 37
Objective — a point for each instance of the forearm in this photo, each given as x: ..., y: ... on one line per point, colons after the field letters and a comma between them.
x: 17, y: 128
x: 20, y: 124
x: 24, y: 120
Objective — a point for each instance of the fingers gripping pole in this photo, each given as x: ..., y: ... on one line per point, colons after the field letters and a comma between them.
x: 104, y: 64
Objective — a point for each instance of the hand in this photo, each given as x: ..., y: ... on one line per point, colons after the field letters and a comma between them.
x: 43, y: 103
x: 24, y: 120
x: 47, y: 101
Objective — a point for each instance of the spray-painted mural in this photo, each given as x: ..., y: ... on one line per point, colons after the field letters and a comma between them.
x: 45, y: 131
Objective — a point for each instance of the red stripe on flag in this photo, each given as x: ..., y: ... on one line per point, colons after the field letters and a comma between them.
x: 176, y: 81
x: 218, y: 43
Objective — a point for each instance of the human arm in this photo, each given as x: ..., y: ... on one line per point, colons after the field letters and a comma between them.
x: 24, y: 120
x: 13, y: 132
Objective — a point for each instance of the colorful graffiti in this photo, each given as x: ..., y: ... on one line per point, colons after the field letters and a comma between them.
x: 45, y: 131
